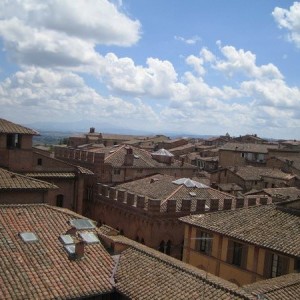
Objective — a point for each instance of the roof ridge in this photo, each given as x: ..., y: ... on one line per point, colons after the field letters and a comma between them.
x: 172, y: 194
x: 110, y: 155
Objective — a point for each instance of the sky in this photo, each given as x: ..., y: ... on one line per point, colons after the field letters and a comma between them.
x: 192, y: 67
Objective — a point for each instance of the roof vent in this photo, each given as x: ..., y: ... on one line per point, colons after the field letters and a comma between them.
x: 28, y: 237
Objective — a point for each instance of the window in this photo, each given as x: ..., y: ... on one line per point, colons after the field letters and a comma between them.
x: 242, y: 154
x: 13, y: 141
x: 204, y: 242
x: 297, y: 265
x: 165, y: 247
x: 60, y: 200
x: 39, y: 161
x: 117, y: 171
x: 275, y: 265
x: 237, y: 254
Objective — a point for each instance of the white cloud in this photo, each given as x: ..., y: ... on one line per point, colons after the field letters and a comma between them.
x: 289, y: 19
x: 190, y: 41
x: 49, y: 95
x: 63, y: 33
x: 244, y: 62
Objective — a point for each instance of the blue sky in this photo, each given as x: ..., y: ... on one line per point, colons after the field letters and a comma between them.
x: 194, y: 67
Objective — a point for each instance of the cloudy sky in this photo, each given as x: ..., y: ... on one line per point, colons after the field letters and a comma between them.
x: 196, y: 66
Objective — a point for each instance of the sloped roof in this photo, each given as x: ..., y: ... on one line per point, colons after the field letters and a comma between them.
x: 256, y: 173
x: 266, y: 226
x: 10, y: 127
x: 189, y: 183
x: 14, y: 181
x: 162, y: 187
x: 286, y: 287
x: 290, y: 193
x: 247, y: 147
x: 43, y: 270
x: 142, y: 159
x: 145, y: 273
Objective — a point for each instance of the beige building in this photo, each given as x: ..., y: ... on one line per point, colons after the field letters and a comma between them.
x: 242, y: 154
x: 245, y: 245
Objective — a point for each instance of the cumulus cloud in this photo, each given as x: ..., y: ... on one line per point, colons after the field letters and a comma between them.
x: 64, y: 95
x: 289, y: 19
x: 63, y: 33
x: 244, y: 62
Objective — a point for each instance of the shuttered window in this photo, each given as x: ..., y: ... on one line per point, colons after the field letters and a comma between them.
x: 275, y: 265
x: 237, y: 254
x: 204, y: 242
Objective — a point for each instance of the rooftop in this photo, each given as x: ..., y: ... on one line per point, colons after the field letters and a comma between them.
x: 14, y: 181
x: 42, y: 269
x: 267, y: 226
x: 10, y: 127
x: 246, y: 147
x: 256, y: 173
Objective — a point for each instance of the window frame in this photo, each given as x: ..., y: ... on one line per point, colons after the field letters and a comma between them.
x: 204, y: 242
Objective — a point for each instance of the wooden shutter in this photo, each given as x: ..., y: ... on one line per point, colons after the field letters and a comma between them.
x: 244, y: 257
x: 230, y: 251
x: 285, y: 264
x: 267, y: 264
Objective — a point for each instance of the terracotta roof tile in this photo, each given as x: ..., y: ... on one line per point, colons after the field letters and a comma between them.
x: 286, y: 287
x: 145, y: 273
x: 51, y: 174
x: 10, y: 127
x: 143, y: 159
x: 43, y: 270
x: 266, y: 226
x: 10, y: 180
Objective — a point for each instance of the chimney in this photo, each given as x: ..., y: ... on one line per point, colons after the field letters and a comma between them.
x: 79, y: 250
x: 129, y: 157
x: 92, y: 130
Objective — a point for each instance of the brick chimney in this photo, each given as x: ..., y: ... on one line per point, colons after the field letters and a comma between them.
x: 129, y: 157
x: 79, y: 250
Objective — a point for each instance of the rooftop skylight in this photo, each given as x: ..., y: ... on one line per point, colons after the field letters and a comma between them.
x: 66, y: 239
x: 28, y: 237
x: 89, y: 237
x: 82, y: 224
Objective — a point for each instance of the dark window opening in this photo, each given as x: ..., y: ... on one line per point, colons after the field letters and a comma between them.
x: 137, y: 239
x: 60, y: 200
x: 162, y: 247
x: 237, y: 254
x: 168, y: 247
x: 13, y: 141
x: 39, y: 161
x: 142, y: 241
x: 122, y: 232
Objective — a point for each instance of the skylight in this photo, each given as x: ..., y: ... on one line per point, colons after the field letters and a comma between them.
x: 66, y: 239
x: 82, y: 224
x: 89, y: 237
x: 192, y: 194
x: 70, y: 249
x: 28, y: 237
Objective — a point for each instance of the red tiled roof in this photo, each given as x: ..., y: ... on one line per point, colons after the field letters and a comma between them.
x: 43, y: 270
x: 10, y: 127
x: 10, y: 180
